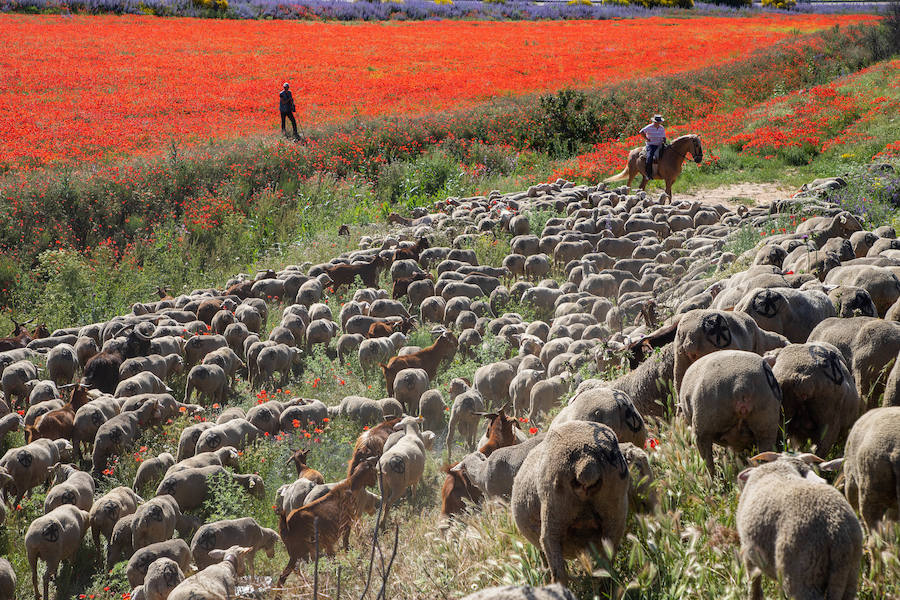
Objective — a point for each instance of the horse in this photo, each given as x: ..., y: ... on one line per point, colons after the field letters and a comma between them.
x: 669, y: 166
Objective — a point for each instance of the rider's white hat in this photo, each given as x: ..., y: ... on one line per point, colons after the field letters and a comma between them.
x: 658, y: 119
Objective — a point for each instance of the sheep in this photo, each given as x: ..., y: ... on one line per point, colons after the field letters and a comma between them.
x: 118, y: 545
x: 402, y: 465
x: 731, y: 397
x: 226, y: 456
x: 867, y: 346
x: 156, y: 520
x: 207, y: 379
x: 119, y: 432
x: 89, y: 418
x: 792, y: 313
x: 520, y: 388
x: 891, y: 388
x: 327, y: 519
x: 347, y: 343
x: 819, y: 397
x: 611, y: 407
x: 493, y: 475
x: 225, y: 358
x: 42, y: 391
x: 428, y: 359
x: 572, y: 493
x: 62, y: 361
x: 163, y: 575
x: 227, y: 533
x: 374, y: 351
x: 175, y: 549
x: 215, y: 582
x: 797, y: 530
x: 199, y: 346
x: 362, y: 410
x: 880, y: 282
x: 29, y: 466
x: 650, y: 384
x: 703, y: 331
x: 464, y: 416
x: 292, y: 495
x: 236, y: 433
x: 16, y: 379
x: 306, y: 411
x: 7, y: 580
x: 53, y: 538
x: 190, y: 486
x: 11, y: 422
x: 432, y: 408
x: 871, y: 465
x: 71, y: 486
x: 161, y: 366
x: 492, y: 382
x: 151, y: 470
x: 164, y: 346
x: 187, y: 441
x: 142, y: 383
x: 525, y: 592
x: 408, y: 387
x: 108, y: 509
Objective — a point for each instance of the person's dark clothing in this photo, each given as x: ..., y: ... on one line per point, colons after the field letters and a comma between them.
x: 286, y: 101
x: 286, y: 106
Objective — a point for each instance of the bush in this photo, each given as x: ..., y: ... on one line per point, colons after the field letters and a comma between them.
x: 734, y: 3
x: 782, y: 4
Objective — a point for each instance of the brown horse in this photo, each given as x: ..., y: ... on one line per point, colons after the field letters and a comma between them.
x: 668, y: 167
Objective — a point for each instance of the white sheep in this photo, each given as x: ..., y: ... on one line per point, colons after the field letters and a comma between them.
x: 403, y: 464
x: 53, y: 538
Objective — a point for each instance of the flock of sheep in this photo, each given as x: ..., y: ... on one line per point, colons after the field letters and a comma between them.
x: 792, y: 344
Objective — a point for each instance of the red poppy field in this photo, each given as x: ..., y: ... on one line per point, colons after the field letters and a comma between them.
x: 90, y: 87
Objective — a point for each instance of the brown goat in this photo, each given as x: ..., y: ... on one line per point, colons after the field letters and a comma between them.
x: 163, y: 293
x: 298, y: 458
x: 21, y: 336
x: 401, y: 285
x: 370, y: 443
x: 344, y: 274
x: 428, y: 358
x: 208, y: 309
x: 457, y: 487
x: 58, y: 424
x: 386, y: 328
x: 332, y: 516
x: 500, y: 433
x: 398, y: 220
x: 642, y: 348
x: 412, y: 252
x: 242, y: 290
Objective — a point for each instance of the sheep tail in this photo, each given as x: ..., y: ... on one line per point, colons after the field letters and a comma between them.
x: 622, y: 175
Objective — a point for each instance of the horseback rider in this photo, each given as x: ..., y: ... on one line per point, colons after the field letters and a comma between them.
x: 655, y: 136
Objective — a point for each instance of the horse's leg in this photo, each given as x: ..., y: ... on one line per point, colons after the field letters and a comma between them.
x: 644, y: 181
x: 669, y: 183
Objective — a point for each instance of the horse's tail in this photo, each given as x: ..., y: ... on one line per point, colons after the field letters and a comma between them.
x: 619, y: 177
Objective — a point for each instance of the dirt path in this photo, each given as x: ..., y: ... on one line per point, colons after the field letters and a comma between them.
x: 733, y: 195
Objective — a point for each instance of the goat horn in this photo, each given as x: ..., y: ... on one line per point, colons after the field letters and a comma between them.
x: 810, y: 458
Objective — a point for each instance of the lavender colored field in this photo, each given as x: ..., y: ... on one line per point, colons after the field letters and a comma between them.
x: 413, y: 10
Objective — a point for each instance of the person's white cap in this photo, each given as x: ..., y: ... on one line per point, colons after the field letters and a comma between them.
x: 659, y: 119
x: 286, y: 84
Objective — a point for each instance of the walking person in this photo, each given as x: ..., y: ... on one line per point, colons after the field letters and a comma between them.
x: 287, y: 108
x: 655, y: 136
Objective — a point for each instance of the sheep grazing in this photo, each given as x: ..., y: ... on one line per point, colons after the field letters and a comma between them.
x: 298, y: 459
x: 402, y: 465
x: 225, y: 534
x: 7, y: 580
x: 525, y: 592
x: 118, y: 433
x: 797, y: 530
x: 190, y: 486
x: 641, y: 495
x: 649, y: 385
x: 871, y: 465
x: 71, y: 486
x: 573, y: 493
x: 163, y: 575
x: 226, y: 456
x: 332, y: 516
x: 210, y: 380
x: 53, y: 538
x: 156, y: 520
x: 792, y: 313
x: 611, y: 407
x: 151, y: 470
x: 176, y: 549
x: 465, y: 414
x: 731, y: 398
x: 29, y: 466
x: 216, y: 581
x: 108, y: 509
x: 428, y: 358
x: 819, y: 397
x: 701, y: 332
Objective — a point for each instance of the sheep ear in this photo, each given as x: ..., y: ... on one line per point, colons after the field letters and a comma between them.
x: 764, y: 457
x: 832, y: 465
x: 744, y: 475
